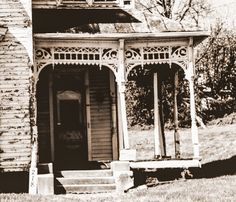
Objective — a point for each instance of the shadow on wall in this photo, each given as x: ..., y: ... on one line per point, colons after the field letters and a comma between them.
x: 14, y: 182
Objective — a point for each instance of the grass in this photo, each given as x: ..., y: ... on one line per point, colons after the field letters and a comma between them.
x: 216, y: 143
x: 216, y: 189
x: 216, y: 181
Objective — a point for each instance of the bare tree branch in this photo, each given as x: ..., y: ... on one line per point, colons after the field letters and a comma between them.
x: 212, y: 39
x: 188, y: 7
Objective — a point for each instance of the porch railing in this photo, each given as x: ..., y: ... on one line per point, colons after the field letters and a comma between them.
x: 83, y: 3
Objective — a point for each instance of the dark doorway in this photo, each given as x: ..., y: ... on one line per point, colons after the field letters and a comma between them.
x: 70, y: 135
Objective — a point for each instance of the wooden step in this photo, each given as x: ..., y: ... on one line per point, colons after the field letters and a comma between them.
x: 88, y: 188
x: 84, y: 173
x: 85, y: 180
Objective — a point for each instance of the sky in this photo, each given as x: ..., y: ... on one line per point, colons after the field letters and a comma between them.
x: 224, y: 9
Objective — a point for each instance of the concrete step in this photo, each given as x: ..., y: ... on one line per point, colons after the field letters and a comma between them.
x: 84, y: 173
x: 85, y: 180
x: 88, y: 188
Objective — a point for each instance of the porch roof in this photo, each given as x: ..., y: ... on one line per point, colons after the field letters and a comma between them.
x: 134, y: 24
x: 145, y: 25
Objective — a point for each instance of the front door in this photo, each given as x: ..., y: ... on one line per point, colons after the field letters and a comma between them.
x: 71, y: 144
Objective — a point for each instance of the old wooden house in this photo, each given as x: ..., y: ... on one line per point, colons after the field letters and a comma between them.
x: 63, y: 69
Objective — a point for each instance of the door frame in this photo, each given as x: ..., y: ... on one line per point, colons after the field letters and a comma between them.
x: 51, y: 115
x: 87, y: 115
x: 53, y: 110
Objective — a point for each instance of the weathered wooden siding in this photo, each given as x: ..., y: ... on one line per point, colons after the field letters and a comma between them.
x: 101, y: 136
x: 15, y: 73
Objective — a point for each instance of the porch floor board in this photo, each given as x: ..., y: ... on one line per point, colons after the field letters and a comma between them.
x: 165, y: 164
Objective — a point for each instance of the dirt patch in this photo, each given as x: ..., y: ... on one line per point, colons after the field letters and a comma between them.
x: 227, y: 119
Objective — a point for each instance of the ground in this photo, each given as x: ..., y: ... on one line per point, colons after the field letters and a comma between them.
x: 217, y: 142
x: 215, y: 181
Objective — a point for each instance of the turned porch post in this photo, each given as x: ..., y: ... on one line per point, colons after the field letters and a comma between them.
x: 176, y: 124
x: 121, y: 97
x: 190, y: 78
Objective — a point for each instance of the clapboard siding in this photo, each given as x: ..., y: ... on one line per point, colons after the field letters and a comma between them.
x: 101, y: 137
x: 15, y: 82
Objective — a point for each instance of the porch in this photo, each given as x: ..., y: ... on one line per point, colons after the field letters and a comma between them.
x: 116, y: 61
x: 124, y: 59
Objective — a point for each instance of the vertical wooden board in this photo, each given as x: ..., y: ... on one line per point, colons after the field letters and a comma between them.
x: 158, y: 135
x: 120, y: 132
x: 51, y: 116
x: 194, y: 129
x: 161, y: 115
x: 121, y: 91
x: 176, y: 127
x: 88, y: 115
x: 157, y: 149
x: 113, y: 115
x: 101, y: 121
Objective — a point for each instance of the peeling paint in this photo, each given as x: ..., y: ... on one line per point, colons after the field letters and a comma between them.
x: 9, y: 159
x: 28, y: 7
x: 26, y: 41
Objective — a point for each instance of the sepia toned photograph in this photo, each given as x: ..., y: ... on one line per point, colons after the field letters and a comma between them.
x: 118, y: 100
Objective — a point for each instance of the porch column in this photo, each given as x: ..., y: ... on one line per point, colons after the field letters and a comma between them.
x: 176, y: 126
x: 124, y: 123
x: 33, y: 172
x: 120, y: 131
x: 121, y: 91
x: 159, y: 150
x: 113, y: 115
x: 190, y: 78
x: 126, y: 154
x: 194, y: 128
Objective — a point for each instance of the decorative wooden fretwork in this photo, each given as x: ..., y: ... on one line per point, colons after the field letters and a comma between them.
x: 156, y: 55
x: 91, y: 53
x: 76, y: 56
